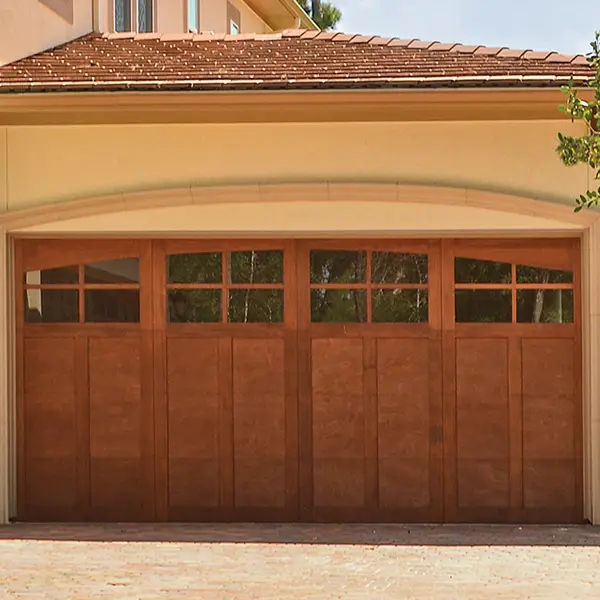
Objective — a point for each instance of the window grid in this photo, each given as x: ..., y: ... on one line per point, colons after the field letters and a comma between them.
x: 514, y: 286
x: 369, y: 286
x: 225, y: 286
x: 133, y: 16
x: 81, y: 287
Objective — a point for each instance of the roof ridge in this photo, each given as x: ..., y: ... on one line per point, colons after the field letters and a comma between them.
x: 375, y: 40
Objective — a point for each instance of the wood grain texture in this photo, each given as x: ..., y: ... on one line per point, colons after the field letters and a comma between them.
x: 117, y: 490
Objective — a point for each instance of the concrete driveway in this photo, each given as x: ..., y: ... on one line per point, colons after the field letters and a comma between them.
x: 284, y: 562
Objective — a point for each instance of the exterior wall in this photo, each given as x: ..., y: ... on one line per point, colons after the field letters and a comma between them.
x: 213, y: 16
x: 250, y: 21
x: 81, y: 161
x: 3, y: 169
x: 171, y: 17
x: 29, y: 26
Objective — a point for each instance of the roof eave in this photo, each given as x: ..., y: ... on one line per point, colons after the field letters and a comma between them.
x: 293, y: 106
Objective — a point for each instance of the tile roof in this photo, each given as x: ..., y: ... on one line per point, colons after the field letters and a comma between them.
x: 293, y: 59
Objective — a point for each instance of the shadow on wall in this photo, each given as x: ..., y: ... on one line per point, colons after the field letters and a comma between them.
x: 310, y: 534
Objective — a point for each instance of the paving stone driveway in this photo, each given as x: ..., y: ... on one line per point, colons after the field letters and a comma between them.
x: 284, y: 562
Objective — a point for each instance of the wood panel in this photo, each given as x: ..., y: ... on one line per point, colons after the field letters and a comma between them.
x: 51, y: 435
x: 338, y: 423
x: 193, y: 423
x: 116, y: 455
x: 403, y: 372
x: 482, y: 424
x: 549, y: 425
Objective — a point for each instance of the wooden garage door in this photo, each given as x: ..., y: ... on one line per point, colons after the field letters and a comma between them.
x: 84, y: 381
x: 512, y: 381
x: 370, y: 381
x: 299, y: 380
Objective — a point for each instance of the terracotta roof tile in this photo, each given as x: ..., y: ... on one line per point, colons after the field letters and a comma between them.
x: 294, y: 59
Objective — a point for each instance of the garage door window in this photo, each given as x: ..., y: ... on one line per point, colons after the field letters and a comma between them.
x: 497, y: 292
x: 368, y: 287
x: 226, y: 287
x: 102, y: 292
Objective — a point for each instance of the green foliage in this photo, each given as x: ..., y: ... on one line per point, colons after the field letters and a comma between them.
x: 586, y: 148
x: 325, y: 14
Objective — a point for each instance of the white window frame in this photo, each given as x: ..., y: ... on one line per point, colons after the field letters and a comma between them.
x: 134, y: 15
x: 186, y: 10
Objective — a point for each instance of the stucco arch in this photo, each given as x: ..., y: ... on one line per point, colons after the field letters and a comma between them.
x: 297, y: 208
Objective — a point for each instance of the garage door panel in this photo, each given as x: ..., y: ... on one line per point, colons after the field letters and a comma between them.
x: 193, y: 432
x: 259, y: 431
x: 339, y: 482
x: 338, y: 427
x: 337, y: 367
x: 117, y: 491
x: 193, y: 482
x: 50, y: 397
x: 483, y: 433
x: 549, y: 483
x: 548, y: 428
x: 481, y: 373
x: 258, y: 369
x: 192, y: 369
x: 483, y: 483
x: 404, y: 483
x: 402, y: 437
x: 115, y: 398
x: 548, y: 367
x: 51, y: 483
x: 260, y: 482
x: 403, y: 370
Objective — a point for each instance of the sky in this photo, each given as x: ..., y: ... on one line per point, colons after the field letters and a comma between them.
x: 566, y: 26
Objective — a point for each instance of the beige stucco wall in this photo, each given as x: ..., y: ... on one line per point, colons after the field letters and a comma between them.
x: 251, y: 22
x: 82, y: 161
x: 3, y: 168
x: 28, y: 26
x: 171, y: 16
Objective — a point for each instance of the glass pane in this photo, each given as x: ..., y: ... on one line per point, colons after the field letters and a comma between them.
x: 469, y: 270
x: 145, y: 16
x: 399, y: 306
x: 255, y: 306
x: 483, y: 306
x: 193, y: 15
x: 234, y: 28
x: 203, y: 267
x: 50, y: 276
x: 545, y: 306
x: 265, y: 266
x: 396, y: 267
x: 112, y: 306
x: 121, y: 270
x: 338, y: 306
x: 194, y: 306
x: 51, y: 306
x: 338, y: 266
x: 122, y: 15
x: 537, y: 275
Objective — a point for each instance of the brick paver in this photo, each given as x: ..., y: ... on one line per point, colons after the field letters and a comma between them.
x: 284, y: 562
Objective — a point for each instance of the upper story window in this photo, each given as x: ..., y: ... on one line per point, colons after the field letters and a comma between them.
x: 134, y: 15
x: 193, y: 16
x: 234, y: 20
